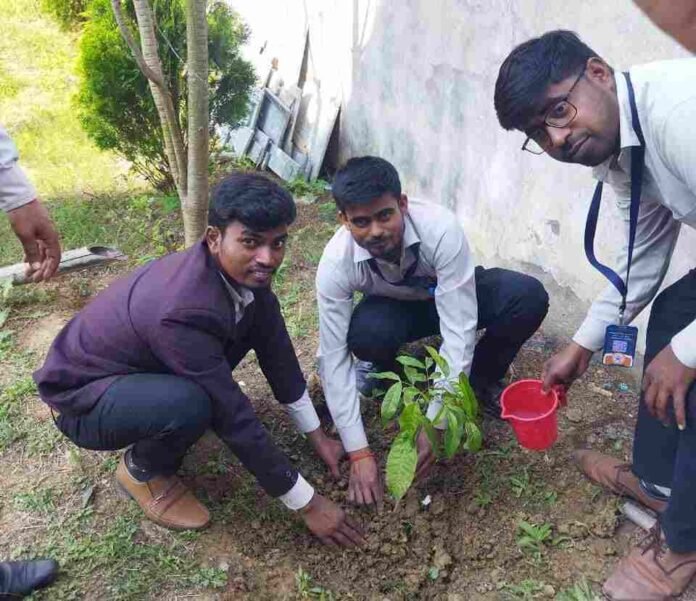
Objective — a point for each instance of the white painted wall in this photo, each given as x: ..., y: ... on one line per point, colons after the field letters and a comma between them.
x: 416, y: 79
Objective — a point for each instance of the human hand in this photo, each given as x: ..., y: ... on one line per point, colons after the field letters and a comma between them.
x: 330, y: 450
x: 365, y: 485
x: 565, y: 366
x: 330, y: 524
x: 426, y: 455
x: 667, y: 378
x: 37, y: 234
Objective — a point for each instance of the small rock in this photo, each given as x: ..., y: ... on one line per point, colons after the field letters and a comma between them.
x: 563, y: 529
x: 497, y: 574
x: 472, y: 508
x: 438, y: 506
x: 441, y: 559
x: 592, y: 439
x: 342, y: 484
x: 386, y: 549
x: 573, y: 414
x: 548, y: 591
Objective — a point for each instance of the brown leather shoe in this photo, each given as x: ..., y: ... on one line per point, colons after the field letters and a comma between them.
x: 651, y: 572
x: 615, y: 476
x: 165, y: 500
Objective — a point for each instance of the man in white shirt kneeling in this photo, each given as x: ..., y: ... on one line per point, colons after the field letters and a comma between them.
x: 411, y: 261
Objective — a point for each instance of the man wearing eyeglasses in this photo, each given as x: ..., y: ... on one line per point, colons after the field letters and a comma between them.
x: 638, y: 131
x: 411, y: 261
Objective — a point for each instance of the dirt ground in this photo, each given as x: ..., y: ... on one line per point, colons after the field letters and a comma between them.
x: 462, y: 545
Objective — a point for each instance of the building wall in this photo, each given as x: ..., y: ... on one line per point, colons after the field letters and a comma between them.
x: 416, y: 78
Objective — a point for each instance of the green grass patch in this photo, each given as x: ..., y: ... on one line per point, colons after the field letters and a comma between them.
x: 37, y: 84
x: 142, y: 226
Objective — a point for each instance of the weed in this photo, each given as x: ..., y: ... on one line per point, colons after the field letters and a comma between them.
x: 580, y: 591
x: 301, y: 187
x: 483, y: 498
x: 306, y: 589
x: 531, y: 538
x: 527, y: 589
x: 208, y: 578
x: 521, y: 483
x: 41, y: 501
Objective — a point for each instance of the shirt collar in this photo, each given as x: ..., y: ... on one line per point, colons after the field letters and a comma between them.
x: 361, y: 254
x: 627, y: 135
x: 241, y: 297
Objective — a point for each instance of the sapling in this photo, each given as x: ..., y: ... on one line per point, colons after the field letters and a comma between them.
x: 406, y: 402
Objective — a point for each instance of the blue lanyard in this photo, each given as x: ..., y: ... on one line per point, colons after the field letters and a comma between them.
x: 637, y: 164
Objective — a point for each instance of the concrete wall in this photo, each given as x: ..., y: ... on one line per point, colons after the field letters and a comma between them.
x: 416, y: 79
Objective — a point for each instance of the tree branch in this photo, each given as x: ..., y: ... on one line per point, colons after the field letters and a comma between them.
x: 135, y: 50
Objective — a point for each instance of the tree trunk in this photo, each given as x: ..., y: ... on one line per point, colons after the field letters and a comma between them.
x: 195, y: 208
x: 147, y: 58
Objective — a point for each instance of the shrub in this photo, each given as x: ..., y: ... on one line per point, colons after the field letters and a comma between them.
x: 114, y: 102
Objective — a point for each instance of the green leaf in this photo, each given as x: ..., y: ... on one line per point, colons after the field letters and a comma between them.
x: 384, y: 375
x: 411, y: 419
x: 453, y: 434
x: 439, y: 361
x: 412, y: 361
x: 432, y: 437
x: 474, y: 438
x: 468, y: 398
x: 413, y: 375
x: 428, y: 363
x: 410, y: 393
x: 401, y: 464
x: 391, y: 402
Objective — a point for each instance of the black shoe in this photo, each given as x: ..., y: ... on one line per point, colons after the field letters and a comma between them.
x: 366, y: 385
x: 19, y: 578
x: 489, y: 399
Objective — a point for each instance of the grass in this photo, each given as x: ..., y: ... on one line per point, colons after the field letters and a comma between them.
x: 37, y: 82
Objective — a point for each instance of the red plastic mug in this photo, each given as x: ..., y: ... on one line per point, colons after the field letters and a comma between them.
x: 532, y: 413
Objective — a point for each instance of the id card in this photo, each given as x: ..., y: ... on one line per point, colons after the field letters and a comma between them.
x: 620, y: 346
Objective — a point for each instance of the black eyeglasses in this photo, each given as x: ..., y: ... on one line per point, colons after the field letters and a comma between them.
x: 559, y: 115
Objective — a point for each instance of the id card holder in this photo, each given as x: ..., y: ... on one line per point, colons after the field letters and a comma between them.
x: 620, y: 346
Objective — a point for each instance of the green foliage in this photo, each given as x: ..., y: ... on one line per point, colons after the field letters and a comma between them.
x: 527, y: 589
x: 68, y: 13
x: 114, y: 102
x: 301, y: 187
x: 531, y: 538
x: 306, y: 589
x: 406, y: 400
x: 580, y: 591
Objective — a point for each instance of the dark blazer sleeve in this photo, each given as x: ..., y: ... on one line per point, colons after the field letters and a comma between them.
x: 191, y: 343
x: 274, y: 349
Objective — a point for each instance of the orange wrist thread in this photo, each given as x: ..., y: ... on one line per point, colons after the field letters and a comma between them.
x: 360, y: 455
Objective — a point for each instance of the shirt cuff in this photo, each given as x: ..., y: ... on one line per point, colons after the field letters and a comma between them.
x: 684, y: 345
x: 299, y: 495
x: 303, y: 414
x: 15, y: 189
x: 353, y: 437
x: 591, y: 334
x: 433, y: 410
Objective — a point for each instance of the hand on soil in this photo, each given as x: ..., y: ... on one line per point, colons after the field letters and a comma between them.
x: 330, y: 450
x: 365, y: 486
x: 565, y: 366
x: 328, y: 522
x: 667, y: 378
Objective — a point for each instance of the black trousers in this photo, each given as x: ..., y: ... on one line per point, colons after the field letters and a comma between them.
x: 511, y: 307
x: 665, y: 455
x: 161, y: 415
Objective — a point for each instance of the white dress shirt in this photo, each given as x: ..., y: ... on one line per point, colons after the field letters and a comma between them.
x: 666, y: 101
x: 15, y: 189
x: 443, y: 253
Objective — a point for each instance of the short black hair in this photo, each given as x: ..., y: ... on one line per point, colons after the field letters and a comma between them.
x: 531, y: 68
x: 362, y: 179
x: 252, y: 199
